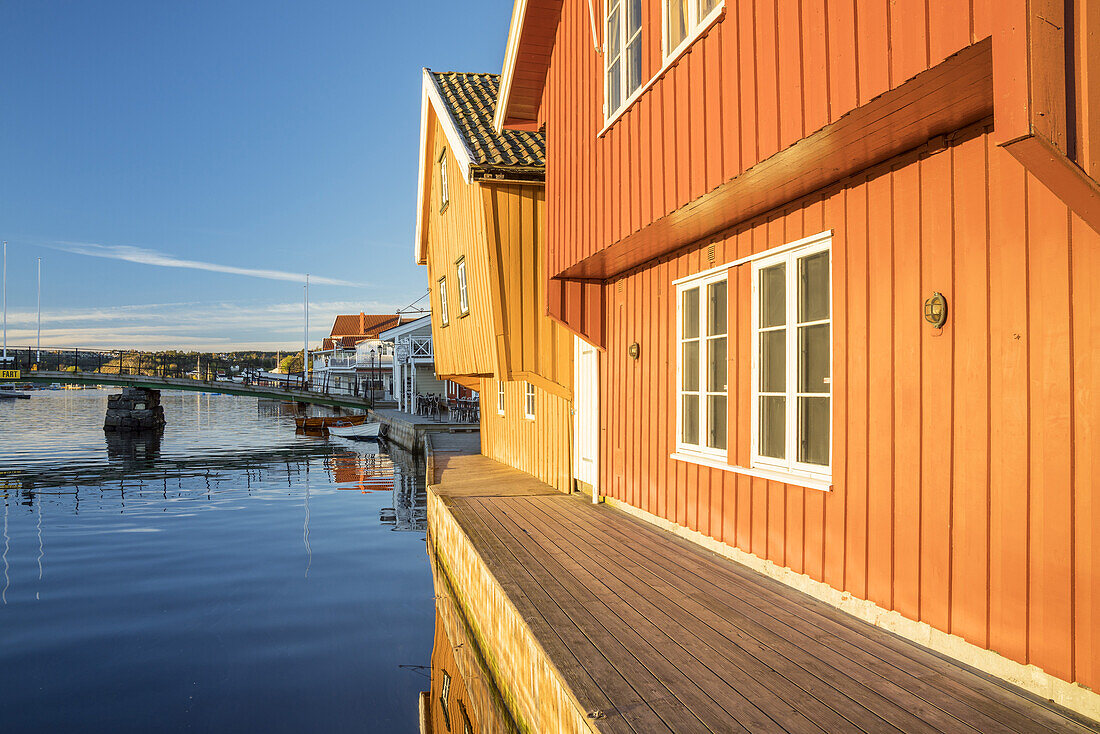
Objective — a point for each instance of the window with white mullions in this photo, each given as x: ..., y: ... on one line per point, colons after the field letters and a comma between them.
x: 683, y: 17
x: 463, y: 299
x: 623, y: 53
x: 792, y: 361
x: 443, y: 300
x: 703, y: 368
x: 528, y: 400
x: 500, y: 397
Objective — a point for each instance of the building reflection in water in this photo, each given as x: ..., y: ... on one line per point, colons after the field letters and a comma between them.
x: 372, y: 466
x: 463, y: 697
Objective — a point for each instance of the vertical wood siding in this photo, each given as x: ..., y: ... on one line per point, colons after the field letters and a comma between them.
x: 964, y: 460
x: 537, y: 347
x: 543, y: 446
x: 465, y: 346
x: 765, y: 75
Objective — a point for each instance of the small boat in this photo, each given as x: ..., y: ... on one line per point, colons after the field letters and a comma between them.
x: 362, y: 430
x: 320, y: 423
x: 8, y: 392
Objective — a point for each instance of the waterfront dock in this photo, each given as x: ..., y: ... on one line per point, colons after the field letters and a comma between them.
x: 408, y: 429
x: 593, y: 620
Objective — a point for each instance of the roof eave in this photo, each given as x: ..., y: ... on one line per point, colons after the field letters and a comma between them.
x: 522, y: 32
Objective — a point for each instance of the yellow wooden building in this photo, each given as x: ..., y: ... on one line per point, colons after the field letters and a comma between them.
x: 480, y: 228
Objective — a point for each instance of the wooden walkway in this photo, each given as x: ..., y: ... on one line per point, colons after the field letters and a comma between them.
x: 651, y: 633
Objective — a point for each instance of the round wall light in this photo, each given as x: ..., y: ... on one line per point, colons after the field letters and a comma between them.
x: 935, y: 310
x: 634, y: 350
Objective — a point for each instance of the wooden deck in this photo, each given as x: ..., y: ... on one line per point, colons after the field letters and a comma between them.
x: 651, y: 633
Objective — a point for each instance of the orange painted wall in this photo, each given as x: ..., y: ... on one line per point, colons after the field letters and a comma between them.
x: 964, y: 462
x: 766, y: 75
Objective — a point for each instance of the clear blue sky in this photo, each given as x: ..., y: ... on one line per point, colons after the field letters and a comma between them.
x: 260, y: 135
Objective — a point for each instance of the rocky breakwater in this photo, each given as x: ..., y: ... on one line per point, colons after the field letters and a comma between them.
x: 135, y: 409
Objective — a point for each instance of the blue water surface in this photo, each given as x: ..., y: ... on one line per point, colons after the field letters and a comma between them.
x: 229, y: 576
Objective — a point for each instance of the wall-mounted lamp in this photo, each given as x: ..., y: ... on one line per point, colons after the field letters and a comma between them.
x: 634, y: 350
x: 935, y: 310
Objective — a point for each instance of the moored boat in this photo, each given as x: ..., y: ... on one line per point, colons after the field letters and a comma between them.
x: 8, y: 392
x: 321, y: 423
x: 361, y: 430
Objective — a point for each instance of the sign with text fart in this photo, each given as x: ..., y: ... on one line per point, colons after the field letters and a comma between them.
x: 9, y: 374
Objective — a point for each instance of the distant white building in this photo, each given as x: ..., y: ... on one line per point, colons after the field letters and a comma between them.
x: 354, y: 360
x: 413, y: 365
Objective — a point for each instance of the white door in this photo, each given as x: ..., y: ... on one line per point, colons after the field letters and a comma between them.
x: 586, y: 414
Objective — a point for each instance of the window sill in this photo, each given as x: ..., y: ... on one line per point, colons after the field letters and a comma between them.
x: 463, y: 314
x: 444, y: 207
x: 671, y: 60
x: 797, y: 480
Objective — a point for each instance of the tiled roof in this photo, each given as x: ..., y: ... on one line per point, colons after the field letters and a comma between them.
x: 363, y: 325
x: 471, y: 100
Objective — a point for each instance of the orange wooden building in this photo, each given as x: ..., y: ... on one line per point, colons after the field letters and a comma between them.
x: 480, y: 219
x: 841, y: 262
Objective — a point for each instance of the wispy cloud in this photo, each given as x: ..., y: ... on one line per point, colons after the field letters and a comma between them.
x: 144, y: 256
x: 185, y: 325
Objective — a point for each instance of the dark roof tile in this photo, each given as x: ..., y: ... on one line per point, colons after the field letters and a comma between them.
x: 471, y: 100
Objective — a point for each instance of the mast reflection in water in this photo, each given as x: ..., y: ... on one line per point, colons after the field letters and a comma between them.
x: 159, y: 582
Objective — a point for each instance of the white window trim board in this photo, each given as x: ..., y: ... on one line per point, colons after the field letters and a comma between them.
x: 693, y: 31
x: 789, y: 464
x: 796, y: 480
x: 463, y: 294
x: 444, y: 316
x: 699, y: 281
x: 804, y: 242
x: 528, y: 387
x: 715, y: 15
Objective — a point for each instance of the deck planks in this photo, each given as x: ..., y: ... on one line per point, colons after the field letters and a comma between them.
x: 661, y: 634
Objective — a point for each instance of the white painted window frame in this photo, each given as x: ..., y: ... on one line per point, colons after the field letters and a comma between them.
x: 701, y: 450
x: 694, y: 27
x: 627, y: 96
x: 443, y: 317
x: 529, y: 401
x: 500, y: 397
x: 789, y: 465
x: 444, y: 192
x: 463, y: 298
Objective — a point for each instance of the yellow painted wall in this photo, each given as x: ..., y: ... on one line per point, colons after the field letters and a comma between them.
x: 464, y: 346
x: 533, y: 346
x: 542, y: 446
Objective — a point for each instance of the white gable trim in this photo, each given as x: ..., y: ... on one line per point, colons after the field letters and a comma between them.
x: 461, y: 150
x: 455, y: 141
x: 411, y: 327
x: 511, y: 51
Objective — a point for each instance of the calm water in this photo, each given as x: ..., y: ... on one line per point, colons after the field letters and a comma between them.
x: 229, y: 577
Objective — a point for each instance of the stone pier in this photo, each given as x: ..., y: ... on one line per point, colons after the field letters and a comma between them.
x: 134, y: 409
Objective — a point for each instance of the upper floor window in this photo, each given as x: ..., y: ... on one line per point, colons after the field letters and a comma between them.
x: 444, y: 194
x: 443, y: 301
x: 463, y: 299
x: 792, y: 361
x: 623, y: 54
x: 528, y: 400
x: 702, y: 365
x: 683, y: 18
x: 500, y: 397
